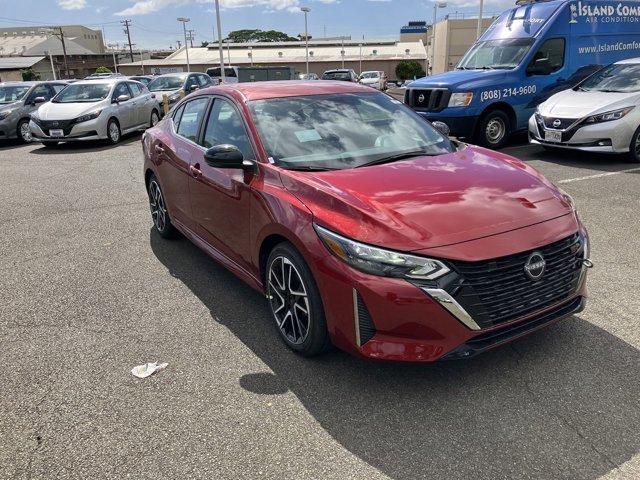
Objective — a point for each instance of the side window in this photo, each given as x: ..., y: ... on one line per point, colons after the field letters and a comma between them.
x: 40, y: 91
x: 225, y: 126
x: 192, y: 117
x: 121, y: 89
x: 57, y: 88
x: 553, y: 51
x: 204, y: 80
x: 135, y: 89
x: 175, y: 117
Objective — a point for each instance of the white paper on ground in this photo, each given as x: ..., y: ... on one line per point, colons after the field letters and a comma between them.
x: 143, y: 371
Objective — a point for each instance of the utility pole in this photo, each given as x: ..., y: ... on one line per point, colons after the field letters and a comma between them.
x: 191, y: 34
x: 60, y: 36
x: 127, y: 24
x: 179, y: 44
x: 479, y: 32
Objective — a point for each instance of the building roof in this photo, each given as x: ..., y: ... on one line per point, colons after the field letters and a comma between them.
x: 38, y: 44
x: 295, y: 52
x: 14, y: 63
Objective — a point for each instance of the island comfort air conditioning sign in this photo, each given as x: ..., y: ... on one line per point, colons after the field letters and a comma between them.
x: 605, y: 13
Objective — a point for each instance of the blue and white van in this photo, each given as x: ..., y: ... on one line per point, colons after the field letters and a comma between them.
x: 529, y: 53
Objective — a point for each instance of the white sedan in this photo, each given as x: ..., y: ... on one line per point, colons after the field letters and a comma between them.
x: 600, y: 114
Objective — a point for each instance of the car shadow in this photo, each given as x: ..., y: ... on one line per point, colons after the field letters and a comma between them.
x: 560, y: 404
x: 93, y: 145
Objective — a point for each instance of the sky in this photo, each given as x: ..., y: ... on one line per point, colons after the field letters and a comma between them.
x: 154, y: 23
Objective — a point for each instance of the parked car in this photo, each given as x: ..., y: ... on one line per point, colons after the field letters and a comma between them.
x: 363, y: 225
x: 143, y: 79
x: 342, y: 74
x: 308, y: 76
x: 95, y: 110
x: 529, y: 53
x: 17, y: 101
x: 99, y: 76
x: 376, y: 79
x: 230, y: 74
x: 177, y: 85
x: 600, y: 114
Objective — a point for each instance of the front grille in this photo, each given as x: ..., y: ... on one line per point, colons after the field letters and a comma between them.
x: 65, y: 125
x: 498, y: 290
x: 547, y: 123
x: 428, y: 99
x: 564, y: 122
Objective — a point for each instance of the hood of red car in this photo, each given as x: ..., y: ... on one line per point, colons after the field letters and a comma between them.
x: 428, y: 202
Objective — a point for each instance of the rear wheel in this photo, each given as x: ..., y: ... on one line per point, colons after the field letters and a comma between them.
x: 634, y: 147
x: 494, y: 129
x: 155, y: 118
x: 24, y: 132
x: 159, y: 214
x: 295, y: 302
x: 113, y: 132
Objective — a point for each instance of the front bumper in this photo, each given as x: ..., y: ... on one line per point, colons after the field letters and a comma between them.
x: 461, y: 127
x: 394, y: 320
x: 605, y: 137
x: 8, y: 128
x: 91, y: 130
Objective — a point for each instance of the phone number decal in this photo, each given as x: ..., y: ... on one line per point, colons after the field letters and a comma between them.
x: 499, y: 93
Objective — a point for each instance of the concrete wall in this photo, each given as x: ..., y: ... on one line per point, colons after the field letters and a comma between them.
x: 453, y: 39
x: 11, y: 75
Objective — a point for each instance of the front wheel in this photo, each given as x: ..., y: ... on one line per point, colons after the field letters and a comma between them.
x: 634, y: 147
x: 113, y: 132
x: 494, y: 129
x: 155, y: 118
x: 295, y: 302
x: 24, y: 132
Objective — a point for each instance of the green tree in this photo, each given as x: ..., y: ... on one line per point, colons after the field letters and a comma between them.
x: 408, y: 69
x: 242, y: 36
x: 29, y: 75
x: 204, y: 44
x: 256, y: 35
x: 103, y: 70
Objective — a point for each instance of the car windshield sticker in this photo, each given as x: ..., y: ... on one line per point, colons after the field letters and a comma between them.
x: 308, y: 135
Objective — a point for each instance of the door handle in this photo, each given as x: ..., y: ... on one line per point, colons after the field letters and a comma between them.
x: 195, y: 170
x: 159, y: 149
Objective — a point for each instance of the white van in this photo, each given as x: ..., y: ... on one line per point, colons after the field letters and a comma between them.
x: 230, y: 74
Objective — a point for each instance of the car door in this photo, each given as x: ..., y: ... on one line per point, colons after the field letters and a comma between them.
x: 176, y: 151
x: 125, y: 111
x: 144, y: 103
x: 39, y: 91
x: 221, y: 198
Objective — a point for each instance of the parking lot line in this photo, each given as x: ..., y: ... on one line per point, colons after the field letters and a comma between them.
x: 598, y: 175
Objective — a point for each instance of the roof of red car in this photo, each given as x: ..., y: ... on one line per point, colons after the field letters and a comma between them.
x: 289, y: 88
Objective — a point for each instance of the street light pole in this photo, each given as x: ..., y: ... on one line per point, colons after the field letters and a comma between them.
x: 220, y: 41
x: 479, y: 32
x: 113, y: 52
x: 436, y: 6
x: 306, y: 10
x: 184, y: 21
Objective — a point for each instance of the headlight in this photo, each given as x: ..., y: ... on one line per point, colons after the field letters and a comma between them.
x: 378, y: 261
x: 5, y: 114
x: 89, y: 116
x: 462, y: 99
x: 608, y: 116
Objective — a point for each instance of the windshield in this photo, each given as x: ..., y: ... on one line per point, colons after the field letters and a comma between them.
x: 13, y: 93
x: 504, y: 54
x: 340, y: 131
x: 167, y: 83
x: 336, y: 76
x: 614, y: 78
x: 83, y: 93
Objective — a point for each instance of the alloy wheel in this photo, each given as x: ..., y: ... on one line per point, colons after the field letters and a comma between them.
x: 637, y: 146
x: 288, y: 299
x: 25, y: 132
x: 156, y: 203
x: 154, y: 119
x: 495, y: 130
x: 114, y: 132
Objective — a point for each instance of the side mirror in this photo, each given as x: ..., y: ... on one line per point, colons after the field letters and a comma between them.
x: 123, y: 98
x: 541, y: 66
x: 226, y: 156
x: 442, y: 127
x: 39, y: 100
x: 193, y: 88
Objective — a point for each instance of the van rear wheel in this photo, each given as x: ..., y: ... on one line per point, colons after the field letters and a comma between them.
x: 494, y: 129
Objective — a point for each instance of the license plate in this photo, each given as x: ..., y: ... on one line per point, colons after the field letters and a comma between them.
x: 551, y: 136
x: 56, y: 132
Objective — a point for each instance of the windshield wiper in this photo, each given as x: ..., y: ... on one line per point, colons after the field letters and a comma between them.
x: 394, y: 158
x: 610, y: 91
x: 308, y: 168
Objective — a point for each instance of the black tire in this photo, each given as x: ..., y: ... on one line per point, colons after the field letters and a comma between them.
x: 152, y: 122
x: 316, y: 338
x: 23, y: 136
x: 493, y: 129
x: 114, y: 134
x: 159, y: 214
x: 634, y: 148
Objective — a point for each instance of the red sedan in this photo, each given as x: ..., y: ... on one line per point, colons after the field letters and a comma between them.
x: 363, y: 225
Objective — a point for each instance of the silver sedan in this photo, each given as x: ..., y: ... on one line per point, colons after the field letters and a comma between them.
x: 95, y: 110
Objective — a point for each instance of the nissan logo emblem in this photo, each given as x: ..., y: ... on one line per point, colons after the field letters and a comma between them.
x: 535, y: 266
x: 55, y: 124
x: 557, y: 123
x: 421, y: 98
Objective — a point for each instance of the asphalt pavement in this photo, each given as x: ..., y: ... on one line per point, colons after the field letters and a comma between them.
x: 88, y: 291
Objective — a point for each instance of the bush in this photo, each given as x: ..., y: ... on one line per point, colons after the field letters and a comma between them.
x: 29, y: 75
x: 103, y: 70
x: 409, y: 69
